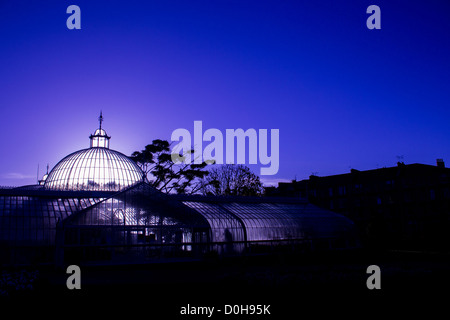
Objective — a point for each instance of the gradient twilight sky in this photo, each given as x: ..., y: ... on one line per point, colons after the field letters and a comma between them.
x: 341, y: 95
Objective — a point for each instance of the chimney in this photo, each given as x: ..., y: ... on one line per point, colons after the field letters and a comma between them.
x: 440, y: 163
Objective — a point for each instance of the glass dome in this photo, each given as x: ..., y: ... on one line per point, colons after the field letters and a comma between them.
x: 95, y: 168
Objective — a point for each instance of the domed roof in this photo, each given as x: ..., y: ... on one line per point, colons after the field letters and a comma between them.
x: 95, y: 168
x: 100, y: 132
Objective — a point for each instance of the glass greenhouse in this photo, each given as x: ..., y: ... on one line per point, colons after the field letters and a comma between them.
x: 95, y: 205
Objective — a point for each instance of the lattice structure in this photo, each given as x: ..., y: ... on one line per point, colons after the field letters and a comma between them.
x: 96, y: 168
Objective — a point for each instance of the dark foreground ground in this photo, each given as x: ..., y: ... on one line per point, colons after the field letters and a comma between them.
x: 293, y: 285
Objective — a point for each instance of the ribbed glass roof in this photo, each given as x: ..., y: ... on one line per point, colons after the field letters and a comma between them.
x: 33, y: 219
x: 96, y: 168
x: 270, y: 221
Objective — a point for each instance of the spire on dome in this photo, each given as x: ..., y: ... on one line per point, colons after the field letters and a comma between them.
x: 100, y: 119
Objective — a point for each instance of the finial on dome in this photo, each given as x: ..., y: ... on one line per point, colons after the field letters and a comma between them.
x: 100, y: 119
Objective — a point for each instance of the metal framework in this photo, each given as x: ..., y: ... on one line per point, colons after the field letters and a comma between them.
x: 95, y: 168
x: 140, y: 223
x: 95, y: 205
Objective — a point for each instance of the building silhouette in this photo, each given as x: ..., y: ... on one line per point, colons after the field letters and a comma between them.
x: 96, y: 205
x: 406, y: 206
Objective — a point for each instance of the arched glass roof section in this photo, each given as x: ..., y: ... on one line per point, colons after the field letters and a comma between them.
x: 140, y: 205
x: 225, y: 226
x: 32, y: 220
x: 268, y: 220
x: 140, y: 218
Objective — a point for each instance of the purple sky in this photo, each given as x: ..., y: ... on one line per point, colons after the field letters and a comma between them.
x: 341, y: 95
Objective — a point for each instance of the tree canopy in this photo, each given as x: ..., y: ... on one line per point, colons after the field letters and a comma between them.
x: 170, y: 176
x: 166, y: 175
x: 230, y: 179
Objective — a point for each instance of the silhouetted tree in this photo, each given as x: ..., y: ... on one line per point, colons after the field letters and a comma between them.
x: 165, y: 175
x: 230, y: 179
